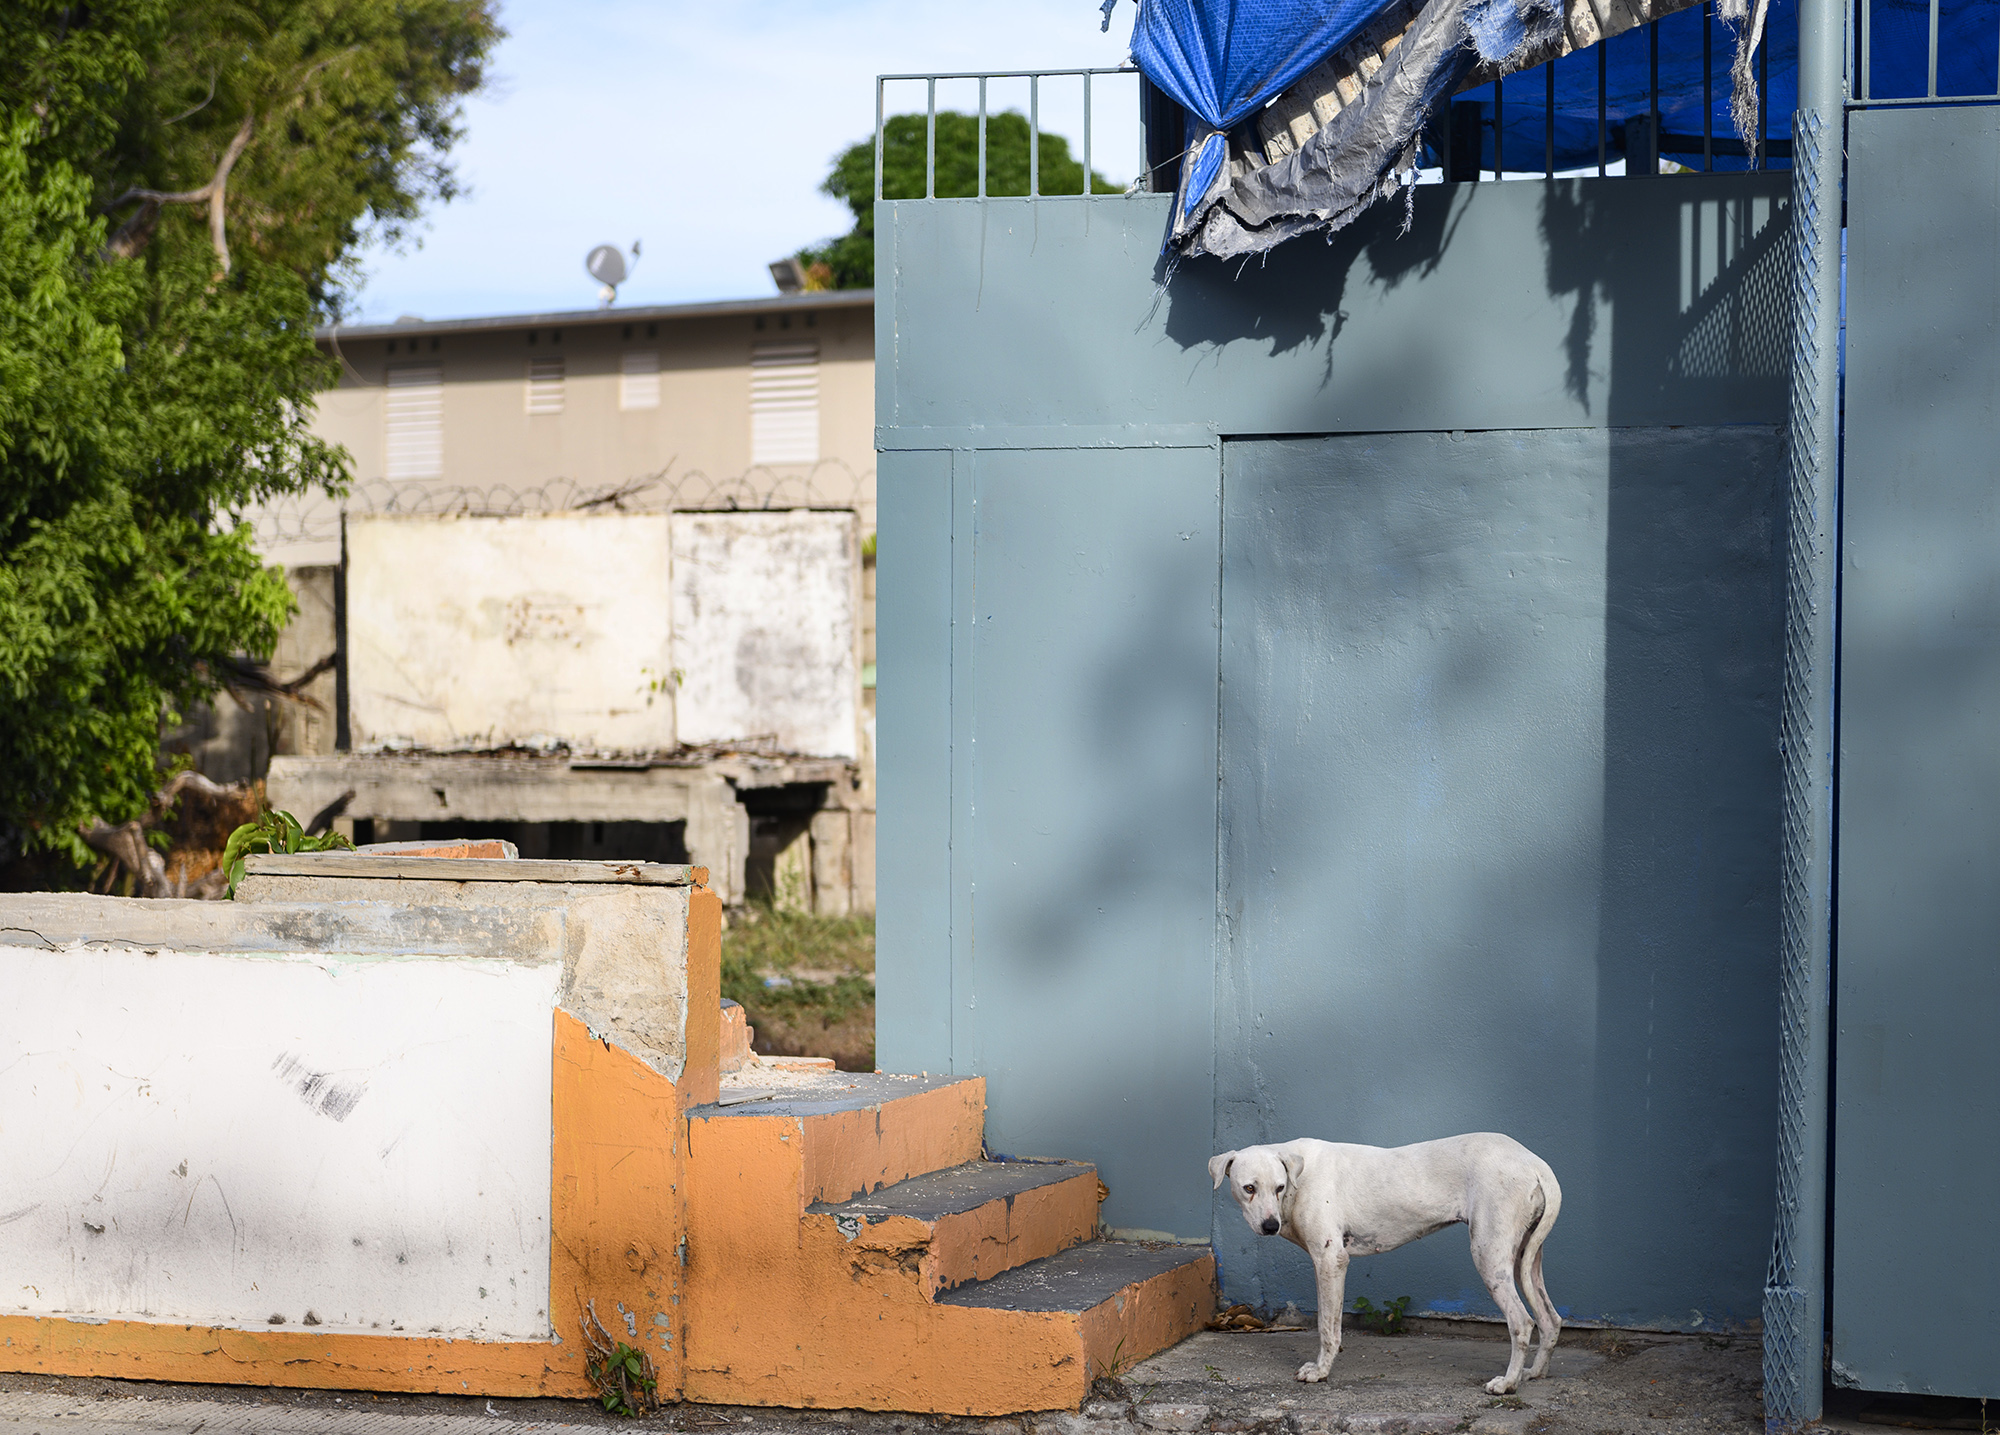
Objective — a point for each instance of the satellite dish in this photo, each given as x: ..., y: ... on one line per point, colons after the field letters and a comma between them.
x: 606, y: 264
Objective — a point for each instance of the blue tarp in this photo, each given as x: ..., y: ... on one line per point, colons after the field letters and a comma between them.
x: 1223, y: 59
x: 1628, y: 73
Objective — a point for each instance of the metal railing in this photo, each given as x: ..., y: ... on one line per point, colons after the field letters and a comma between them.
x: 1862, y: 52
x: 1034, y: 79
x: 1708, y: 144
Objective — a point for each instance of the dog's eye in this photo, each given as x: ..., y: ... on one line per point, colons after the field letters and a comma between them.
x: 1249, y: 1190
x: 1278, y: 1190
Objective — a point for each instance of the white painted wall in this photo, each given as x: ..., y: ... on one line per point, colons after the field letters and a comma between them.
x: 220, y: 1139
x: 478, y: 632
x: 764, y: 629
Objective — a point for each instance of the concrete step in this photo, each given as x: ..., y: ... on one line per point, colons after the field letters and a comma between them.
x: 979, y: 1219
x: 848, y: 1249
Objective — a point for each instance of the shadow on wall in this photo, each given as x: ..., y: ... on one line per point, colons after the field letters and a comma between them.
x: 1499, y: 766
x: 1293, y: 295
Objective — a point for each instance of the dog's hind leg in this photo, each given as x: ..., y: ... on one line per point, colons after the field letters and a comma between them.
x: 1546, y: 1320
x: 1494, y: 1253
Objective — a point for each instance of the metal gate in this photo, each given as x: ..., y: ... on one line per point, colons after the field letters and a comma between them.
x: 1916, y: 1166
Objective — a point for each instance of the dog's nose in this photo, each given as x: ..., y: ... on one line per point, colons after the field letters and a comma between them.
x: 1270, y: 1225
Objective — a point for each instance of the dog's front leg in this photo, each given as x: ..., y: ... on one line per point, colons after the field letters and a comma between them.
x: 1330, y: 1275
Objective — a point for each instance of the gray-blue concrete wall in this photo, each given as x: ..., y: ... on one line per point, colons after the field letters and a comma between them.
x: 1917, y: 1065
x: 1338, y: 698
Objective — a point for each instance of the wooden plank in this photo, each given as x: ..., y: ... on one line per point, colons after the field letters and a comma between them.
x: 473, y: 869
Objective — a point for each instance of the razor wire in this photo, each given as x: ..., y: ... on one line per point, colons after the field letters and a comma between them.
x: 302, y: 519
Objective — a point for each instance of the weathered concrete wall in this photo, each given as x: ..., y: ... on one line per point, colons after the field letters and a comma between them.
x: 1212, y: 816
x: 624, y: 970
x: 222, y: 1128
x: 765, y: 638
x: 486, y: 632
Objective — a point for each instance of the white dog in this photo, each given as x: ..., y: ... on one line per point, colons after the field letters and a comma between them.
x: 1337, y: 1201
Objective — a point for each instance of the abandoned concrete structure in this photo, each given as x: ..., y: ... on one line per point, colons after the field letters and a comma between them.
x: 603, y: 586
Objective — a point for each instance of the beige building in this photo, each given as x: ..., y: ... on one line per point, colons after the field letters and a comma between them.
x: 603, y: 585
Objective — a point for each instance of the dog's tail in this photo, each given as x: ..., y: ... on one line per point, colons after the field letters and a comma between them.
x: 1528, y: 1265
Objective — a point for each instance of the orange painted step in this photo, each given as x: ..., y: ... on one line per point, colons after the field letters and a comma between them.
x: 846, y: 1249
x: 974, y: 1221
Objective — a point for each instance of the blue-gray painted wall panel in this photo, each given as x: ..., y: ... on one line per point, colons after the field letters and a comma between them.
x: 1499, y: 816
x: 1089, y: 407
x: 1917, y: 1065
x: 913, y: 866
x: 1500, y: 309
x: 1083, y: 997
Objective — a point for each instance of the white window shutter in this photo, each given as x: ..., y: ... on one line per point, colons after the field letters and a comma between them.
x: 545, y: 386
x: 784, y: 402
x: 639, y: 379
x: 416, y: 421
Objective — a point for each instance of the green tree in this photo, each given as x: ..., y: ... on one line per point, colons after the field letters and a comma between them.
x: 850, y: 260
x: 183, y: 188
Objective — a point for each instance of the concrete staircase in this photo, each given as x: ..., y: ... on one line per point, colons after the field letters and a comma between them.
x: 849, y: 1248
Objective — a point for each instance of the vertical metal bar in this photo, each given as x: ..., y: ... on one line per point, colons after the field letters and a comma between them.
x: 1864, y: 20
x: 1086, y: 133
x: 1600, y: 107
x: 1932, y: 91
x: 982, y: 136
x: 1499, y: 128
x: 1707, y: 88
x: 880, y: 85
x: 930, y: 142
x: 1795, y: 1287
x: 1653, y: 88
x: 1549, y: 125
x: 1034, y: 135
x: 1764, y: 100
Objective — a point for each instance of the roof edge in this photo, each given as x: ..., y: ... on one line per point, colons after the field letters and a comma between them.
x: 714, y: 309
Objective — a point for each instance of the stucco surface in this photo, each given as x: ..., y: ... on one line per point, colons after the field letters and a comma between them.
x: 360, y: 1144
x: 764, y: 629
x: 483, y: 632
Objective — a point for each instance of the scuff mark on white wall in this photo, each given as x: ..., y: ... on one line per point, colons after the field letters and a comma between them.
x: 250, y: 1141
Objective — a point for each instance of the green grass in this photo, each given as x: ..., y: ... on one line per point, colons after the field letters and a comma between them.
x: 766, y: 942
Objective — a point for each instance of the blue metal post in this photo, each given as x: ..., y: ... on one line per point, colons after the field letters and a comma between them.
x: 1795, y: 1289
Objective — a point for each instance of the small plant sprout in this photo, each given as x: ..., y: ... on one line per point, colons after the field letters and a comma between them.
x: 274, y: 831
x: 1382, y: 1319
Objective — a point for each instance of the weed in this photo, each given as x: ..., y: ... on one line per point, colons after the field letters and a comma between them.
x: 623, y: 1374
x: 1506, y: 1402
x: 1382, y: 1319
x: 1214, y: 1371
x: 1116, y: 1368
x: 273, y: 831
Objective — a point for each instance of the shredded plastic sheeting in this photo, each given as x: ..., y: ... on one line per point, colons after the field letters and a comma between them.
x: 1224, y: 60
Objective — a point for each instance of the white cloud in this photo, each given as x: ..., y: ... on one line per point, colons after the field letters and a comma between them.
x: 705, y: 130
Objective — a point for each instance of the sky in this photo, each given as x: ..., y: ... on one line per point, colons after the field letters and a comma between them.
x: 703, y: 131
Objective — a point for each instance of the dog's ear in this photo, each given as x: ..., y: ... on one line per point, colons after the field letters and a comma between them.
x: 1295, y: 1167
x: 1218, y: 1166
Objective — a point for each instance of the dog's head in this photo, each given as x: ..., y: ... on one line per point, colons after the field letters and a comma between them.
x: 1261, y: 1178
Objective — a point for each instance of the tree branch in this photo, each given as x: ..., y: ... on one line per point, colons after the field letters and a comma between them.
x: 213, y: 76
x: 134, y: 233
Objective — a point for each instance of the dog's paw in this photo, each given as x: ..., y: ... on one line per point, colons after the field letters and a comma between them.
x: 1313, y: 1372
x: 1499, y: 1385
